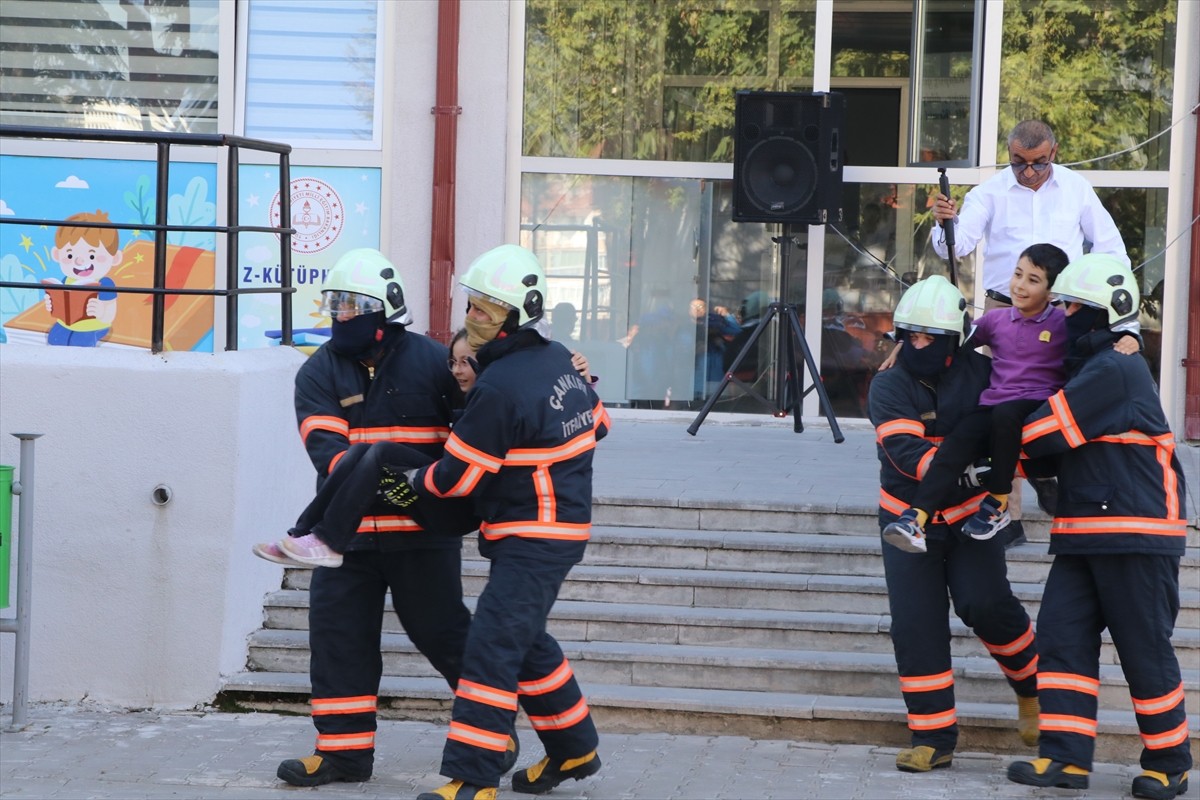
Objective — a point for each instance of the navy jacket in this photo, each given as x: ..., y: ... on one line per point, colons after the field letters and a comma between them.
x: 911, y: 417
x: 406, y: 398
x: 1121, y: 488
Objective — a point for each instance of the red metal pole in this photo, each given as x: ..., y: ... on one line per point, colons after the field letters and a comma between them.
x: 1191, y: 362
x: 445, y: 150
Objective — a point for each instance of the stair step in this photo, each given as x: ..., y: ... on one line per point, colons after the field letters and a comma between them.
x: 977, y: 679
x: 777, y: 715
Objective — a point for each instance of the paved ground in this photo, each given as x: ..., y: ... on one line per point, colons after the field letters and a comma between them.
x: 81, y: 751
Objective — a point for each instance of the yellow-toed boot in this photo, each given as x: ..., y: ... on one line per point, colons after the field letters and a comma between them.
x: 1159, y: 785
x: 457, y: 790
x: 1027, y: 719
x: 1047, y: 772
x: 923, y: 758
x: 544, y: 775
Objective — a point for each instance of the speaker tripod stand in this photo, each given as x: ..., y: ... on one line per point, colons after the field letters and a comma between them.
x: 788, y: 377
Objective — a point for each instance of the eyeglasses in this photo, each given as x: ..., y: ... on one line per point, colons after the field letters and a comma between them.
x: 1020, y: 166
x: 464, y: 362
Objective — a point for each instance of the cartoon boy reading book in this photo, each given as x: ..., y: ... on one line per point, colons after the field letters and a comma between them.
x: 86, y: 256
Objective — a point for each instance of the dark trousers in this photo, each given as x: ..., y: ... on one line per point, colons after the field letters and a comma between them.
x: 345, y: 619
x: 1135, y: 596
x: 511, y: 659
x: 351, y: 491
x: 990, y: 430
x: 975, y: 576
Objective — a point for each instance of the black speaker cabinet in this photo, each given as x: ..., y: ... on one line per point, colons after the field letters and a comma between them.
x: 787, y: 157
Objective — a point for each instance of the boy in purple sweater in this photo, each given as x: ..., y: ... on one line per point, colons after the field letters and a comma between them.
x: 1029, y: 343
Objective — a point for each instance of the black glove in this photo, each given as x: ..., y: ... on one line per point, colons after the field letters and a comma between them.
x: 974, y: 475
x: 394, y: 488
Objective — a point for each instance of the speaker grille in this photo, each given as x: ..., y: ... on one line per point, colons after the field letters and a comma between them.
x: 779, y: 176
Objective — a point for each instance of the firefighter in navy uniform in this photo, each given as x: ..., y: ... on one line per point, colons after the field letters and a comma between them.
x: 1117, y: 536
x: 938, y: 382
x: 523, y: 451
x: 374, y: 381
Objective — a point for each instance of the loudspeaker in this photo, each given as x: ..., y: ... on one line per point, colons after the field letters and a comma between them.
x: 787, y: 160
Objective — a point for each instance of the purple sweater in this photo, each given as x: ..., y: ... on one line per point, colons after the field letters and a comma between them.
x: 1027, y: 353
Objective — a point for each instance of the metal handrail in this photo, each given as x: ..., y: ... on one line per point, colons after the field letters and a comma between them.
x: 231, y: 230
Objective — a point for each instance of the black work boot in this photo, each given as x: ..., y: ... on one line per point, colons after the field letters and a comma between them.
x: 1159, y: 785
x: 316, y: 771
x: 458, y: 790
x: 511, y: 752
x: 1047, y: 772
x: 544, y: 776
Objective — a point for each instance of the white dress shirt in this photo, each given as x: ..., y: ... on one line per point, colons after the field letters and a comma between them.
x: 1009, y: 217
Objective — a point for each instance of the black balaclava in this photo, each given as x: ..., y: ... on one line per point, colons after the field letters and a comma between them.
x: 359, y: 336
x: 1085, y: 320
x: 1087, y: 333
x: 929, y: 361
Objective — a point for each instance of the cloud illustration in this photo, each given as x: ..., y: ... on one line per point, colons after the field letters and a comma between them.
x: 72, y: 182
x: 5, y: 211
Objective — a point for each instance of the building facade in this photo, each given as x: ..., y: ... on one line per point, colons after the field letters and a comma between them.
x: 601, y: 134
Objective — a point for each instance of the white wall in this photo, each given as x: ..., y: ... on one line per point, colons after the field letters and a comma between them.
x: 482, y: 142
x: 136, y: 604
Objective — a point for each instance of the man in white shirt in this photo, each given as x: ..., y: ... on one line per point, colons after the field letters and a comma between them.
x: 1034, y: 201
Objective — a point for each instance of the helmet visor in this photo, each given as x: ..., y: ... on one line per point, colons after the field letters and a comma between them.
x: 475, y: 294
x: 343, y: 305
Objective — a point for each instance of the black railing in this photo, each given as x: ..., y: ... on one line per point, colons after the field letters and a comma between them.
x: 158, y: 292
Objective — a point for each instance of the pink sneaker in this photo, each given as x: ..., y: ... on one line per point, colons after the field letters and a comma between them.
x: 269, y: 551
x: 310, y: 551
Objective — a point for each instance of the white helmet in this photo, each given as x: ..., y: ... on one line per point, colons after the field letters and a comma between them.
x: 363, y: 281
x: 932, y: 305
x: 512, y: 277
x: 1102, y: 281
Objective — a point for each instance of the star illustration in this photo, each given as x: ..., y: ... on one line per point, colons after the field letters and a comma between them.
x: 252, y: 201
x: 26, y: 242
x: 135, y: 233
x: 360, y: 208
x: 139, y: 258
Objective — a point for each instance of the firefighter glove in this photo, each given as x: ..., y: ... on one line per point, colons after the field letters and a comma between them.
x: 395, y: 488
x: 975, y: 474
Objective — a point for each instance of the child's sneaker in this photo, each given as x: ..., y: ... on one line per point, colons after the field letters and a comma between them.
x: 309, y: 551
x: 269, y: 551
x: 905, y: 533
x: 989, y: 520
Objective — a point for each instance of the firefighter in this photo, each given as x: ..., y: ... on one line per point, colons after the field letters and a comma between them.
x: 937, y: 384
x: 374, y: 381
x: 523, y: 451
x: 1117, y: 536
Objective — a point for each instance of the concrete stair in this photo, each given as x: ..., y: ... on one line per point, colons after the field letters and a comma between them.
x: 778, y: 631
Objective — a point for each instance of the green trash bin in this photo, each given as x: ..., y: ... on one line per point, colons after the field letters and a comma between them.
x: 6, y: 480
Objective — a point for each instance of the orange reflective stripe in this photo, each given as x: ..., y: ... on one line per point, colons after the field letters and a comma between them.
x: 1020, y: 674
x: 899, y: 427
x: 1013, y: 647
x: 1157, y: 705
x: 889, y: 503
x: 927, y: 683
x: 487, y: 695
x: 343, y: 705
x: 571, y: 531
x: 466, y: 484
x: 1070, y: 429
x: 537, y: 456
x: 1039, y: 428
x: 548, y: 684
x: 1171, y: 738
x: 923, y: 464
x: 963, y: 509
x: 556, y: 722
x: 545, y: 498
x: 1151, y: 526
x: 401, y: 434
x: 929, y: 722
x: 346, y: 741
x: 1068, y: 682
x: 473, y: 456
x: 600, y: 416
x: 1065, y: 723
x: 334, y: 461
x: 389, y: 524
x: 1164, y: 454
x: 468, y: 734
x: 318, y: 423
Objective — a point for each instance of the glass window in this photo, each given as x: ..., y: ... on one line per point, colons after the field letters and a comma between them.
x: 311, y: 72
x: 654, y: 80
x: 111, y: 65
x: 1099, y: 73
